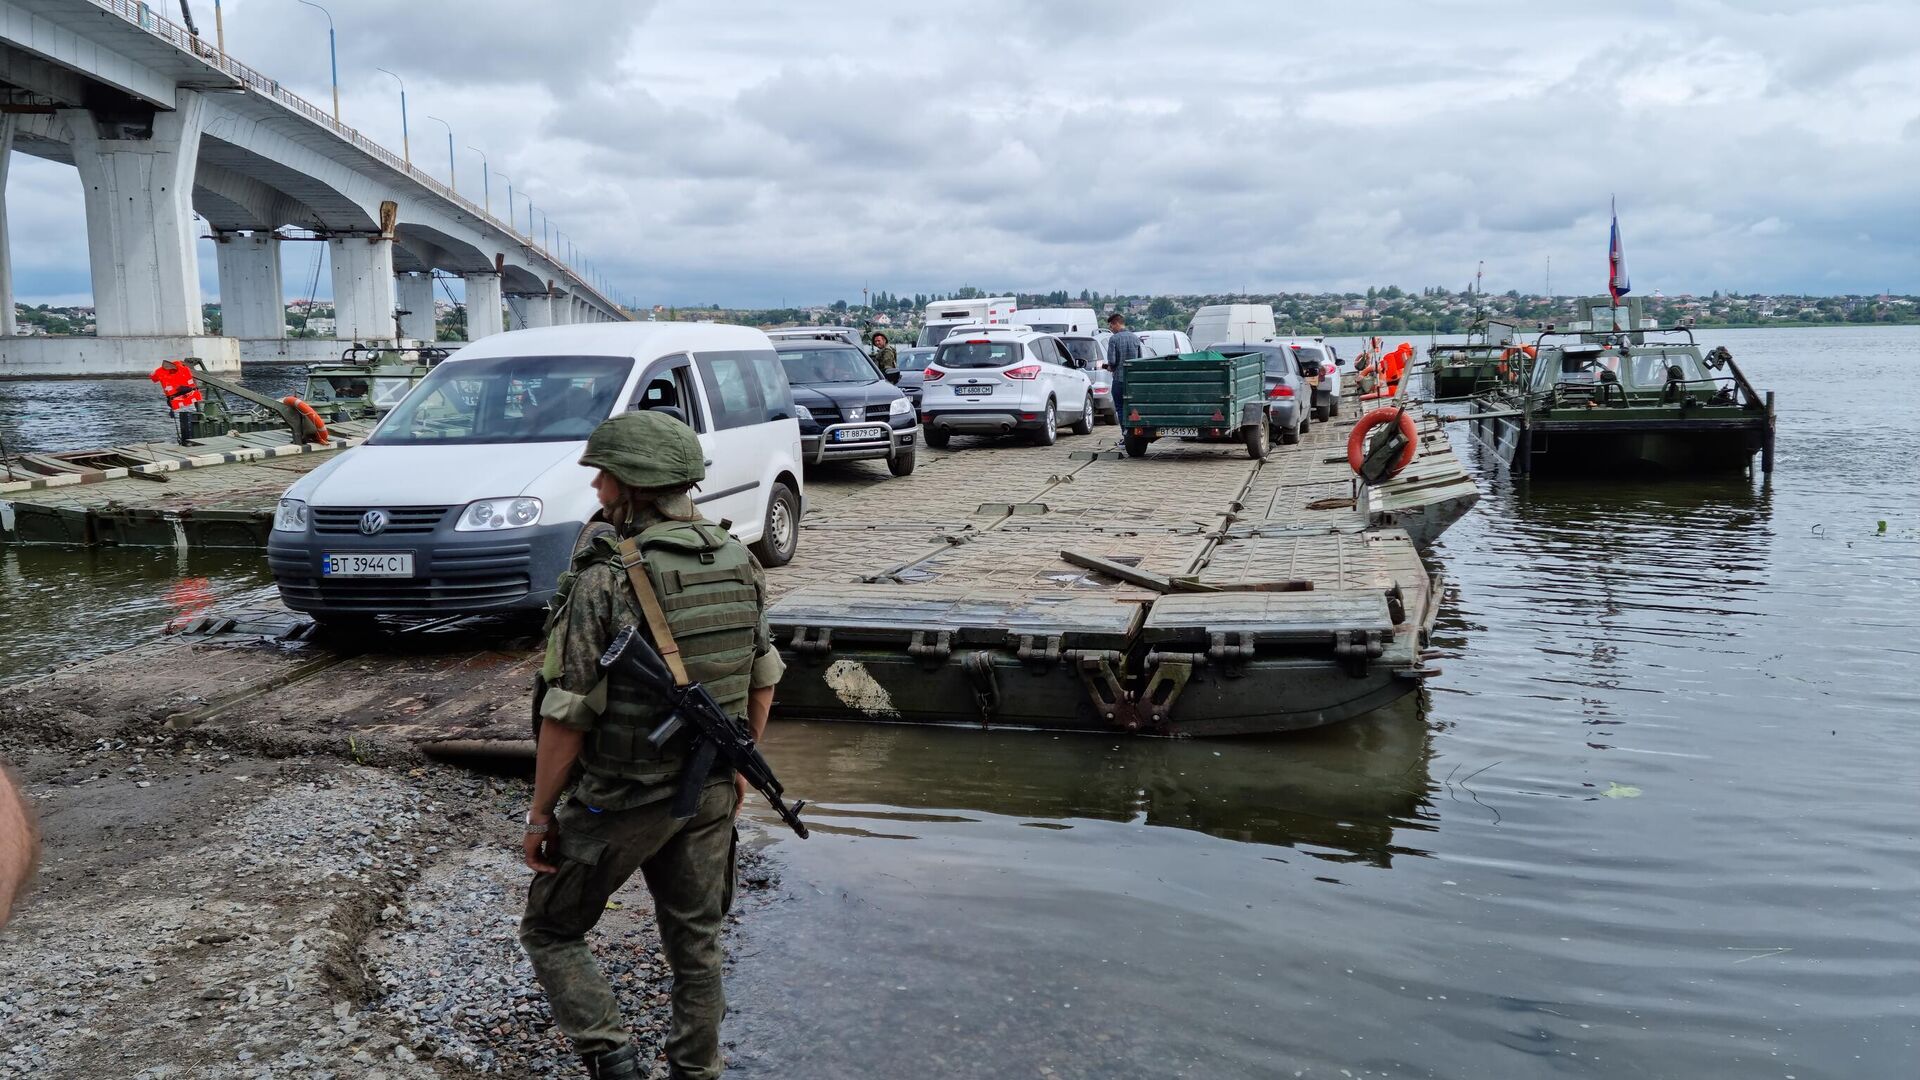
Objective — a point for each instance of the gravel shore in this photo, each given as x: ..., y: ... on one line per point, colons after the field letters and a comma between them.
x: 206, y: 911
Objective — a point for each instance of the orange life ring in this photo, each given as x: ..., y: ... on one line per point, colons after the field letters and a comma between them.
x: 1357, y: 441
x: 306, y: 410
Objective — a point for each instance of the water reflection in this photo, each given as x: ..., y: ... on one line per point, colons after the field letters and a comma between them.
x: 58, y: 605
x: 1348, y: 793
x: 79, y: 414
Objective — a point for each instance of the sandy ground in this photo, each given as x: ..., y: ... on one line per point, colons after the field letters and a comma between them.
x: 215, y: 910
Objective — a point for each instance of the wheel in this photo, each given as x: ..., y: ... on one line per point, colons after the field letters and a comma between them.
x: 1084, y: 425
x: 1136, y: 445
x: 1049, y: 426
x: 1320, y: 413
x: 1291, y: 435
x: 1257, y: 440
x: 781, y: 535
x: 1333, y: 407
x: 1305, y: 425
x: 901, y: 464
x: 936, y: 437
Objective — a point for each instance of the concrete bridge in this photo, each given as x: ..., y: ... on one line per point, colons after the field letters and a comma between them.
x: 162, y: 124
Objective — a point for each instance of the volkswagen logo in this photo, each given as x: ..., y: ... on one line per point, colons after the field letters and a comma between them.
x: 373, y: 521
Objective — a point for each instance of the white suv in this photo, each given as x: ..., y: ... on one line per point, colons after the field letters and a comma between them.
x: 994, y: 380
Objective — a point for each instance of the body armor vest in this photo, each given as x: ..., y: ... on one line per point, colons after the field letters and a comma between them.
x: 706, y: 584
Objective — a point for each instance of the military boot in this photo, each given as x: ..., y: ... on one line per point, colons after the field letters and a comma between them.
x: 621, y: 1063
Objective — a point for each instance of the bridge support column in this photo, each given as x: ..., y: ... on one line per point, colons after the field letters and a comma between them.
x: 483, y: 306
x: 363, y: 289
x: 539, y: 310
x: 252, y: 302
x: 7, y: 122
x: 416, y: 299
x: 137, y: 178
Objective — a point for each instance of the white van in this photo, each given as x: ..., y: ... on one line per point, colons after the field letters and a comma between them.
x: 1241, y: 324
x: 1062, y: 320
x: 942, y: 317
x: 469, y: 496
x: 1163, y: 342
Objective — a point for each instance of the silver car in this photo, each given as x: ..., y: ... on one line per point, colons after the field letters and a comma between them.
x: 1289, y: 401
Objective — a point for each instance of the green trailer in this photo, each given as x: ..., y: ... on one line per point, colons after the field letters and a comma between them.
x: 1201, y: 395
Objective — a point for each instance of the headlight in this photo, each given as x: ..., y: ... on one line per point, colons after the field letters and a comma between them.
x: 802, y: 412
x: 900, y: 407
x: 489, y: 514
x: 290, y: 516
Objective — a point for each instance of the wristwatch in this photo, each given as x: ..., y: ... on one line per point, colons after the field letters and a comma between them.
x: 536, y: 830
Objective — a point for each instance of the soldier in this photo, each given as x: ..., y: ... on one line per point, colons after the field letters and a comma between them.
x: 883, y: 353
x: 619, y: 820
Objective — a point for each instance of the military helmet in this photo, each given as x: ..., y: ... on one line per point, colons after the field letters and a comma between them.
x: 647, y: 450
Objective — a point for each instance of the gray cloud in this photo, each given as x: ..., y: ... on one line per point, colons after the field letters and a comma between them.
x: 752, y: 151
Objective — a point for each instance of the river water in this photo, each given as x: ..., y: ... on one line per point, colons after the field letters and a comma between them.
x: 1658, y: 816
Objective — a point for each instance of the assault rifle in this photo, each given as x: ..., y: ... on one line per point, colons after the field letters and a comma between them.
x: 717, y: 736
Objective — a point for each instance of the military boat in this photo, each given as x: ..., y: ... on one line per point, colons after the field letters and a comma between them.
x: 1458, y: 369
x: 362, y: 385
x: 1615, y: 393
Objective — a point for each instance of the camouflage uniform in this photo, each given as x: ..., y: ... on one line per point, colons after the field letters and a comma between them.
x: 612, y: 826
x: 886, y: 358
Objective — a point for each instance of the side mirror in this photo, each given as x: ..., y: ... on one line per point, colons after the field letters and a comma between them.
x: 893, y: 377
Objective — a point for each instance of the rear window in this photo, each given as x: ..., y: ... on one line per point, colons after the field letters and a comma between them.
x: 1084, y: 350
x: 733, y: 388
x: 819, y: 367
x: 1311, y: 358
x: 507, y: 399
x: 977, y: 354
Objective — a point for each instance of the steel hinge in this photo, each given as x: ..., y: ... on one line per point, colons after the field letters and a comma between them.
x: 938, y: 652
x: 1040, y: 658
x: 1232, y: 656
x: 816, y: 647
x: 1358, y: 648
x: 1167, y: 675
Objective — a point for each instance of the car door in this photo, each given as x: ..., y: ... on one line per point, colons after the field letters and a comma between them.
x: 1074, y: 381
x: 1041, y: 349
x: 737, y: 409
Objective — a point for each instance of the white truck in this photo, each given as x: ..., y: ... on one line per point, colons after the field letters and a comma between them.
x: 943, y: 316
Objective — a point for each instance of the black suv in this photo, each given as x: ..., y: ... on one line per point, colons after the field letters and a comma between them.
x: 847, y: 410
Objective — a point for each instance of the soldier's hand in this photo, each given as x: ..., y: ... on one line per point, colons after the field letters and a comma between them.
x: 739, y: 793
x: 537, y: 847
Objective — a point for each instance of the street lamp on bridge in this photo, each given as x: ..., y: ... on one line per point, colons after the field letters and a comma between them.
x: 406, y: 146
x: 451, y: 182
x: 486, y: 182
x: 333, y: 56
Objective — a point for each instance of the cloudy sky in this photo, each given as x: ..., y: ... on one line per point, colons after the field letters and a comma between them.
x: 760, y: 152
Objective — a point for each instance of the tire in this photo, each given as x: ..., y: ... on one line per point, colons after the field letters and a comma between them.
x: 1084, y: 425
x: 1333, y: 407
x: 901, y: 464
x: 780, y: 535
x: 1136, y: 445
x: 1049, y: 429
x: 1291, y: 435
x: 1320, y: 413
x: 1258, y: 440
x: 936, y: 438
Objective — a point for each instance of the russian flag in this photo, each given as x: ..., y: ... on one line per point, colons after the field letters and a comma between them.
x: 1617, y: 283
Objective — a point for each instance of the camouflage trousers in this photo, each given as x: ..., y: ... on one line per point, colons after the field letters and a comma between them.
x: 688, y: 867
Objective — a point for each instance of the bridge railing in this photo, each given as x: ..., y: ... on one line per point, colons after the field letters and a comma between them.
x: 143, y: 16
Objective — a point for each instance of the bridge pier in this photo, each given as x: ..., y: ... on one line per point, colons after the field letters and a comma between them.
x: 252, y: 301
x: 7, y: 123
x: 416, y: 299
x: 483, y: 306
x: 363, y: 288
x: 136, y: 175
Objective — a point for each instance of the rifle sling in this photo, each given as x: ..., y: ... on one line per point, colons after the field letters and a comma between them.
x: 636, y: 567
